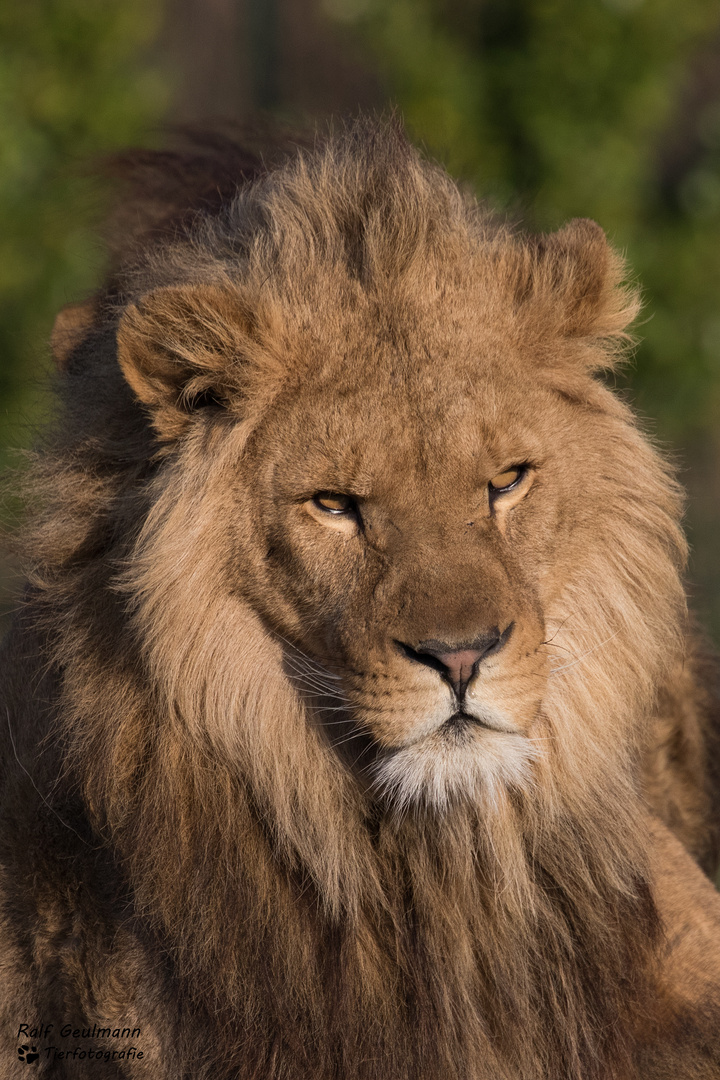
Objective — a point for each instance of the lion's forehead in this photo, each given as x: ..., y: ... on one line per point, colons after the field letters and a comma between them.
x: 386, y: 424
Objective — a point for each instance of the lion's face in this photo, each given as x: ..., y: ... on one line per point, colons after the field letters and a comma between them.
x: 404, y: 520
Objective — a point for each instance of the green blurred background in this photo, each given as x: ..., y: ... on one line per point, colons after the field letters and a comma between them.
x: 549, y: 108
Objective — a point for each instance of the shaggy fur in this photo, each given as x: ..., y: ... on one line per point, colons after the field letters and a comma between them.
x: 241, y: 809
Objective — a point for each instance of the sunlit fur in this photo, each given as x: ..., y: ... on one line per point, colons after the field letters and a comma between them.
x: 472, y: 906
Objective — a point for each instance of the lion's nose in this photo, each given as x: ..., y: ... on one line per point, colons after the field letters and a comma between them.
x: 457, y: 663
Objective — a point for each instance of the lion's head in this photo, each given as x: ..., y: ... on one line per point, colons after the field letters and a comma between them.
x: 367, y: 581
x: 410, y: 472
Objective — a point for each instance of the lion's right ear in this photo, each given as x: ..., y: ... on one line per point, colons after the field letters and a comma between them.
x: 180, y: 349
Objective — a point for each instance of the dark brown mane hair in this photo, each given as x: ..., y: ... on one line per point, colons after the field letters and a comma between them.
x: 161, y: 193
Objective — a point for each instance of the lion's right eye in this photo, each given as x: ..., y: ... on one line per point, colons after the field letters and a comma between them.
x: 333, y: 502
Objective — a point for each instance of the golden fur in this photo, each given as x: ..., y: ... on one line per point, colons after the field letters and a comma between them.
x: 266, y: 835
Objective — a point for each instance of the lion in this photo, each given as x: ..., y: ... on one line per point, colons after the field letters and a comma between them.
x: 355, y: 727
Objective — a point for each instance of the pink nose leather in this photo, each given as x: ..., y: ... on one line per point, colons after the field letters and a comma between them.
x: 460, y: 665
x: 457, y: 665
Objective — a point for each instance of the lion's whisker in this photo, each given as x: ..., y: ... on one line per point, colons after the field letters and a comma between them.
x: 315, y: 680
x: 349, y: 738
x: 304, y: 663
x: 297, y: 664
x: 356, y: 760
x: 336, y: 723
x: 312, y: 694
x: 551, y: 639
x: 594, y: 648
x: 314, y: 683
x: 320, y: 668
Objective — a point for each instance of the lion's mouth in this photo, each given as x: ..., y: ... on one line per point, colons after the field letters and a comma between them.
x: 461, y: 721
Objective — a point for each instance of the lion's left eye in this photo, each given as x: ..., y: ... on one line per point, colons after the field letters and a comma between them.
x: 333, y: 502
x: 504, y: 481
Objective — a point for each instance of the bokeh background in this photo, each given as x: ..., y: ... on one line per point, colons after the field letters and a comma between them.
x: 549, y: 108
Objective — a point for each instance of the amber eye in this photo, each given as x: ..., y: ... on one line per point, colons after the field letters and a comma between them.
x: 504, y: 481
x: 333, y: 502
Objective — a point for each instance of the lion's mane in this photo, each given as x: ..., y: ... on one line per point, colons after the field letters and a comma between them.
x: 296, y: 925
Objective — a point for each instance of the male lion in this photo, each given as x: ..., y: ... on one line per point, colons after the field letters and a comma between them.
x: 353, y: 727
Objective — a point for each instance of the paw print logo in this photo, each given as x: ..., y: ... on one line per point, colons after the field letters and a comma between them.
x: 28, y: 1053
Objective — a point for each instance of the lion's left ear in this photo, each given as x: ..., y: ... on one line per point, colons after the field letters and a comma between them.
x: 583, y: 275
x: 72, y: 326
x: 181, y: 348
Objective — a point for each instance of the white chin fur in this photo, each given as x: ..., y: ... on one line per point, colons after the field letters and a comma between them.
x: 449, y: 766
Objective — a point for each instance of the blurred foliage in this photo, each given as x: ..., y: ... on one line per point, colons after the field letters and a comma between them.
x: 73, y: 84
x: 557, y: 108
